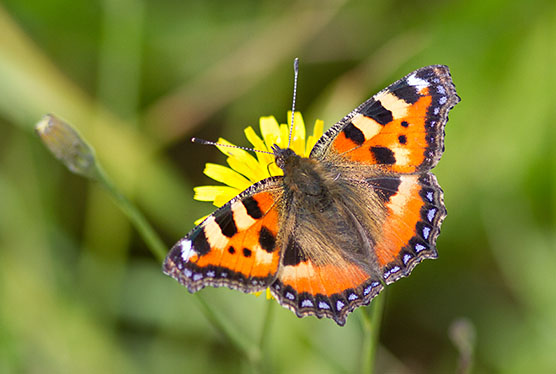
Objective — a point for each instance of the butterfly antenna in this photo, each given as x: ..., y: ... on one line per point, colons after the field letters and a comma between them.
x: 203, y: 141
x: 295, y: 74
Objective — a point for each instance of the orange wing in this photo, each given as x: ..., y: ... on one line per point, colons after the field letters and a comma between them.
x: 414, y: 212
x: 401, y: 128
x: 235, y: 247
x: 326, y: 290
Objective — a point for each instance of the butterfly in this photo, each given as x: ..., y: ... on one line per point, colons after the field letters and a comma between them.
x: 359, y: 213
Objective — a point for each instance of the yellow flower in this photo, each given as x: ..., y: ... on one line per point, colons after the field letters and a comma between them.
x: 244, y: 169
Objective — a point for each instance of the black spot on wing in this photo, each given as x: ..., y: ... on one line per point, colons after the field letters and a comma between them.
x: 252, y: 207
x: 200, y: 243
x: 385, y: 187
x: 354, y: 134
x: 225, y: 220
x: 293, y: 254
x: 374, y: 109
x: 403, y: 91
x: 267, y: 240
x: 231, y: 250
x: 247, y: 252
x: 383, y: 155
x: 405, y: 124
x: 402, y: 139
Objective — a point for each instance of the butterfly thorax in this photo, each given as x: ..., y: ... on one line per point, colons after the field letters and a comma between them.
x: 305, y: 179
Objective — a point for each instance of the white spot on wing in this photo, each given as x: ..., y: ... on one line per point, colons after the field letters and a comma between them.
x: 394, y: 270
x: 430, y: 214
x: 397, y: 106
x: 339, y: 305
x: 214, y: 235
x: 412, y: 80
x: 262, y: 256
x: 406, y: 189
x: 301, y: 270
x: 306, y: 303
x: 241, y: 218
x: 323, y: 305
x: 401, y: 154
x: 419, y: 247
x: 426, y: 232
x: 368, y: 126
x: 186, y: 250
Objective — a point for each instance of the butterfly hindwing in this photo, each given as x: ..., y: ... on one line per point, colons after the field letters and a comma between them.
x: 323, y: 290
x: 414, y: 212
x: 235, y: 247
x: 401, y: 128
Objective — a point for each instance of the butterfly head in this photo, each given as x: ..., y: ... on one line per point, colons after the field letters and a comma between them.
x: 283, y: 156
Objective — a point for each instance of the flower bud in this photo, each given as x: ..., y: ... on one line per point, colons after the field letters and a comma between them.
x: 67, y: 145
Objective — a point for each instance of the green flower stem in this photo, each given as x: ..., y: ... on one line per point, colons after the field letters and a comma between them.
x: 372, y: 317
x: 250, y: 351
x: 266, y: 323
x: 154, y: 243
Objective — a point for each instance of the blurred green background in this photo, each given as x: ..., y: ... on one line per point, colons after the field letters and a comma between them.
x: 79, y: 290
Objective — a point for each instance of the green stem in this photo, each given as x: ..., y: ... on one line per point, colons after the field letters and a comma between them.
x: 239, y: 341
x: 264, y: 334
x: 154, y: 243
x: 372, y: 317
x: 266, y: 323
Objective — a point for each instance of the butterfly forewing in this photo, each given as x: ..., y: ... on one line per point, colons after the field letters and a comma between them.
x: 400, y: 128
x: 234, y: 247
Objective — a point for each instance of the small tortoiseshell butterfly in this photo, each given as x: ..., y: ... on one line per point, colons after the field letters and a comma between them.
x: 359, y: 213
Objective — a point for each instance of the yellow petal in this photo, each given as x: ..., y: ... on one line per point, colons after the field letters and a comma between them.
x: 210, y: 193
x: 200, y: 220
x: 312, y: 140
x: 298, y: 133
x: 268, y: 294
x: 264, y: 159
x: 282, y: 141
x: 254, y: 139
x: 270, y: 130
x: 250, y: 168
x: 227, y: 176
x: 317, y: 129
x: 299, y: 128
x: 230, y: 151
x: 224, y: 197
